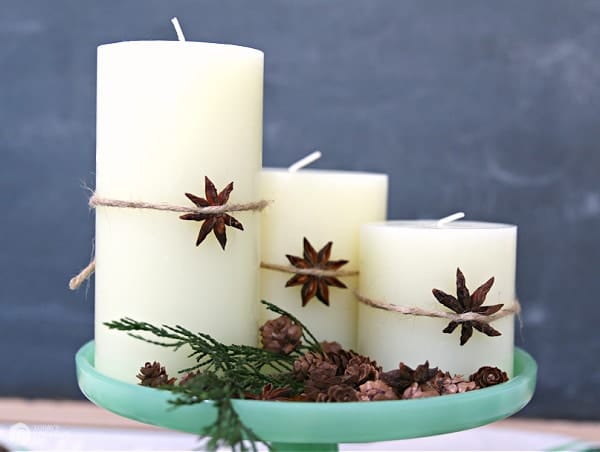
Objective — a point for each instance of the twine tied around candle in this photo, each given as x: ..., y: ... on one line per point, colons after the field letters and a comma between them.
x: 452, y: 316
x: 96, y: 201
x: 307, y: 271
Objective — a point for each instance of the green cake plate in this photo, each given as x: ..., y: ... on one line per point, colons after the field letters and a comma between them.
x: 301, y: 426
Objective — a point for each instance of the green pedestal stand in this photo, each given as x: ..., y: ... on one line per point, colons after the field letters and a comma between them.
x: 303, y: 426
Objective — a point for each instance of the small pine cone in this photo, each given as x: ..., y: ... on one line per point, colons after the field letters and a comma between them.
x: 154, y: 375
x: 360, y: 369
x: 268, y: 392
x: 342, y: 393
x: 317, y: 392
x: 321, y: 397
x: 331, y: 347
x: 323, y: 375
x: 304, y: 364
x: 310, y: 392
x: 313, y: 393
x: 281, y: 335
x: 340, y: 358
x: 419, y: 391
x: 376, y: 390
x: 187, y: 377
x: 488, y: 376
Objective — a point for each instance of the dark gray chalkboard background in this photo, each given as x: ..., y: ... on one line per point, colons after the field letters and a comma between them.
x: 484, y: 106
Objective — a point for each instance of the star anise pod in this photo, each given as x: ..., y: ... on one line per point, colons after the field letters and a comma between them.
x: 315, y: 285
x: 465, y: 302
x: 405, y: 376
x: 270, y: 393
x: 215, y: 222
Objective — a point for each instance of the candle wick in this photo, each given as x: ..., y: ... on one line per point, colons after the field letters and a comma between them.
x: 305, y: 161
x: 178, y: 29
x: 449, y: 219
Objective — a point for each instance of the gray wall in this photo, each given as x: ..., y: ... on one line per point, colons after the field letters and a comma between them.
x: 484, y: 106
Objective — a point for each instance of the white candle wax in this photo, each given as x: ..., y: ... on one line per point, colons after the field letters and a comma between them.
x: 402, y: 261
x: 322, y: 206
x: 169, y: 114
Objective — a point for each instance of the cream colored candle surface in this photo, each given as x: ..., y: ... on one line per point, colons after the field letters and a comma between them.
x: 169, y: 114
x: 402, y: 261
x: 322, y: 206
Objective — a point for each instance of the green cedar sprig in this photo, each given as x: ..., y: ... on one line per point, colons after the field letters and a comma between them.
x: 227, y: 372
x: 228, y: 429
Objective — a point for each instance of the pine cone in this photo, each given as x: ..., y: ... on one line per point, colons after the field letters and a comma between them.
x: 488, y: 376
x: 419, y: 391
x: 336, y: 367
x: 323, y: 375
x: 340, y: 358
x: 281, y: 335
x: 446, y: 384
x: 313, y: 393
x: 154, y: 375
x: 319, y: 377
x: 404, y: 376
x: 305, y: 363
x: 330, y: 347
x: 360, y: 369
x: 376, y: 390
x: 268, y: 392
x: 341, y: 393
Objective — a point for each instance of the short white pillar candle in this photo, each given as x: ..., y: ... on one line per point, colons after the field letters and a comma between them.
x: 322, y: 206
x: 402, y: 261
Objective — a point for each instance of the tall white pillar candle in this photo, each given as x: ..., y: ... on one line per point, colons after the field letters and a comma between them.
x: 322, y: 206
x: 402, y: 261
x: 169, y: 114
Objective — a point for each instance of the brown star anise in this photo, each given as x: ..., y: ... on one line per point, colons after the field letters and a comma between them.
x: 315, y: 285
x: 404, y: 376
x: 468, y: 303
x: 212, y: 221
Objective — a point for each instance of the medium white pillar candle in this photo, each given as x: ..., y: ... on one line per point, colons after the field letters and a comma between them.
x: 169, y: 114
x: 402, y: 261
x: 322, y: 206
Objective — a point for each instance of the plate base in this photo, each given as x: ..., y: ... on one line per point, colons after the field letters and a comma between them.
x: 304, y: 426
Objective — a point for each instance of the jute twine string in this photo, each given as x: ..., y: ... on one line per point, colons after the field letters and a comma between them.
x: 307, y: 271
x: 96, y: 201
x: 452, y: 316
x: 83, y: 275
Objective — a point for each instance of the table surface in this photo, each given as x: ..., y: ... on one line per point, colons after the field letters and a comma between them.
x: 83, y: 413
